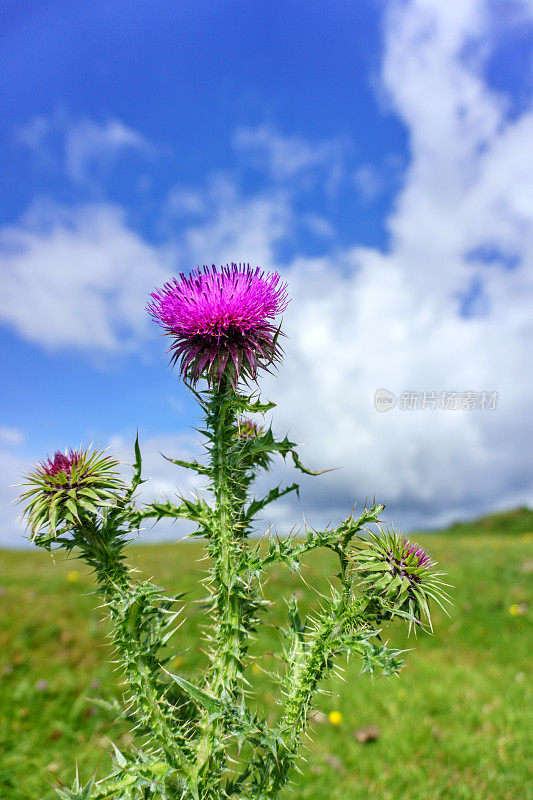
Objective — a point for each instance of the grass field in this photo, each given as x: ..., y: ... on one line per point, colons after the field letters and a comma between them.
x: 456, y: 726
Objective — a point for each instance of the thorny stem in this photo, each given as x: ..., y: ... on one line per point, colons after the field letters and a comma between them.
x: 229, y: 641
x: 304, y: 677
x: 229, y: 636
x: 138, y: 662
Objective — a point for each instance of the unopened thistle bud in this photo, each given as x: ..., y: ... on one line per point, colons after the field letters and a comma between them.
x: 400, y: 575
x: 68, y: 485
x: 221, y: 321
x: 248, y: 429
x: 248, y: 435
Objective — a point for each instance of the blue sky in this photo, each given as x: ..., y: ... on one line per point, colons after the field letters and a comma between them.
x: 378, y: 155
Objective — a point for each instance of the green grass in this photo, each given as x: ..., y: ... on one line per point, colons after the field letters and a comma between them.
x: 456, y: 726
x: 519, y: 520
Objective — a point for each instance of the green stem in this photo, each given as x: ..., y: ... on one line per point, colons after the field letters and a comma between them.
x: 229, y: 636
x: 229, y: 640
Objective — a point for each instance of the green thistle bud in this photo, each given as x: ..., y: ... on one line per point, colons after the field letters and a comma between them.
x: 248, y: 429
x: 67, y: 486
x: 399, y: 575
x: 248, y: 435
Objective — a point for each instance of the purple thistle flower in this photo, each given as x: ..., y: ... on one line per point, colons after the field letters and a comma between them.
x: 406, y: 557
x: 221, y: 321
x: 61, y: 462
x: 421, y: 557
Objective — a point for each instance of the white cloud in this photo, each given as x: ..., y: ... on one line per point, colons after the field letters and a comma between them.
x: 355, y: 326
x: 361, y: 320
x: 229, y: 227
x: 368, y: 182
x: 373, y: 181
x: 80, y: 145
x: 34, y: 134
x: 318, y: 225
x: 78, y: 278
x: 286, y: 158
x: 87, y: 142
x: 464, y: 184
x: 183, y: 202
x: 11, y: 435
x: 85, y: 274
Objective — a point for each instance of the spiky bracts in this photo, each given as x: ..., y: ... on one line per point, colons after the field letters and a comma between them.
x: 221, y: 321
x: 68, y: 485
x: 399, y: 575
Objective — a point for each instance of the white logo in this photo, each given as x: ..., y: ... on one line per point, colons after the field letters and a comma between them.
x: 384, y: 400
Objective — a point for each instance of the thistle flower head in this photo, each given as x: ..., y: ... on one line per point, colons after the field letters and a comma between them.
x: 67, y: 484
x: 400, y: 575
x: 60, y: 463
x: 221, y: 321
x: 413, y: 554
x: 248, y: 429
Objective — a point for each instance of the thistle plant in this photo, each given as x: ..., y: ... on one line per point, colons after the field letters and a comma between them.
x: 204, y: 737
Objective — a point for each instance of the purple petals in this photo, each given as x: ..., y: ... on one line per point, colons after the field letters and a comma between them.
x: 61, y: 462
x: 221, y: 320
x: 420, y: 557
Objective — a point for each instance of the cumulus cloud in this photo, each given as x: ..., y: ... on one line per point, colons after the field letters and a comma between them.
x: 80, y: 145
x: 228, y: 226
x: 368, y: 182
x: 354, y: 327
x: 361, y: 319
x: 77, y: 278
x: 288, y: 158
x: 85, y: 272
x: 11, y: 435
x: 87, y: 143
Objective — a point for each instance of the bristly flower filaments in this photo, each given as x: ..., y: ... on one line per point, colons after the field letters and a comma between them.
x: 221, y: 321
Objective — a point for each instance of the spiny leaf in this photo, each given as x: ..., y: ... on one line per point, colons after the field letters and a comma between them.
x: 201, y: 469
x: 198, y: 696
x: 298, y: 464
x: 274, y: 494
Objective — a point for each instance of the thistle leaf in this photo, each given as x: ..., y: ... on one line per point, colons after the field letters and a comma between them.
x: 274, y: 494
x: 206, y: 701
